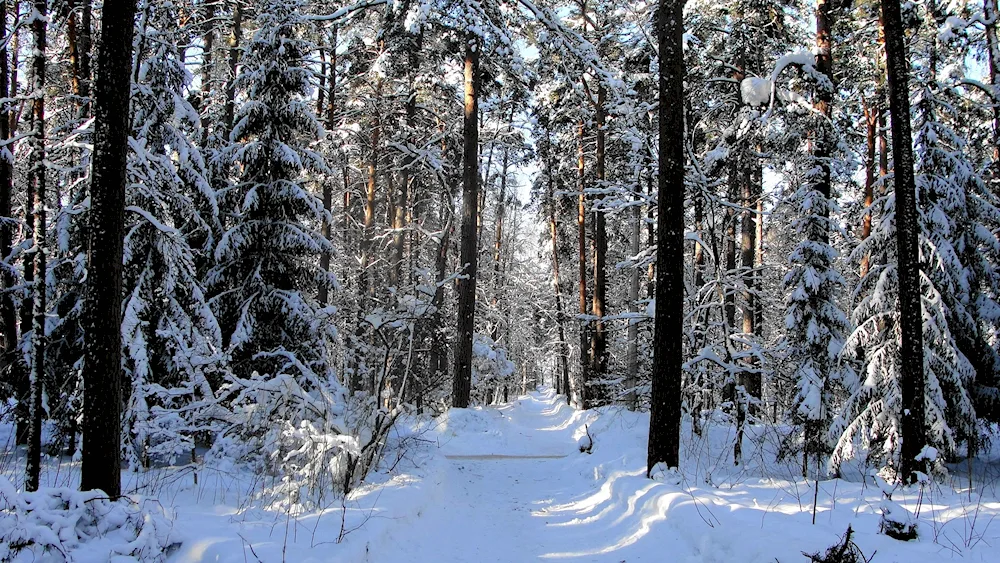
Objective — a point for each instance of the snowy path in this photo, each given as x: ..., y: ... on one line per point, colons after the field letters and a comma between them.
x: 509, y: 492
x: 510, y: 485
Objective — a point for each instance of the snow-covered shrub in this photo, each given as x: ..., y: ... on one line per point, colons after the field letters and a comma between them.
x: 304, y: 431
x: 53, y: 523
x: 491, y: 370
x: 896, y: 521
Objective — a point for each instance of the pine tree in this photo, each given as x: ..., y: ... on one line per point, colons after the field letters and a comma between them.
x: 102, y: 305
x: 39, y: 293
x: 470, y: 198
x: 665, y: 402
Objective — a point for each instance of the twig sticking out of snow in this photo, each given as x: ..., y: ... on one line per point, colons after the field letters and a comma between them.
x: 844, y: 552
x: 586, y: 442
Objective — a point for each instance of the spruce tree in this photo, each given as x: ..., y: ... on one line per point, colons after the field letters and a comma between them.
x: 267, y: 270
x: 172, y: 342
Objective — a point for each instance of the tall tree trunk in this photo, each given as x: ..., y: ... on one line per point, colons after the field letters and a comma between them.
x: 331, y: 116
x: 406, y: 174
x: 700, y: 328
x: 699, y: 260
x: 234, y: 58
x: 729, y: 293
x: 414, y: 43
x: 438, y: 359
x: 758, y: 275
x: 632, y: 353
x: 14, y: 50
x: 912, y: 420
x: 207, y: 46
x: 8, y: 314
x: 321, y: 90
x: 748, y: 247
x: 665, y: 401
x: 368, y: 242
x: 85, y: 39
x: 882, y: 105
x: 993, y: 59
x: 871, y: 132
x: 562, y: 378
x: 581, y: 228
x: 498, y: 246
x: 72, y: 48
x: 12, y: 364
x: 598, y: 349
x: 36, y: 178
x: 650, y: 236
x: 102, y: 306
x: 738, y: 184
x: 366, y: 285
x: 462, y: 382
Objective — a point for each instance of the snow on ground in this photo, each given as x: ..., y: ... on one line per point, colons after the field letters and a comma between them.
x: 510, y: 484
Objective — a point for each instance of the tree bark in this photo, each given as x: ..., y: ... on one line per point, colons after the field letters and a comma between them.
x: 581, y: 228
x: 36, y: 178
x: 912, y: 420
x: 438, y: 359
x: 331, y: 115
x: 871, y: 132
x: 993, y: 58
x: 650, y: 236
x: 632, y: 353
x: 85, y: 39
x: 7, y: 311
x: 562, y: 378
x: 367, y: 243
x: 748, y: 261
x: 102, y: 313
x: 598, y: 349
x: 498, y: 246
x: 462, y: 382
x: 72, y: 49
x: 14, y: 50
x: 406, y: 174
x: 11, y: 364
x: 665, y: 401
x: 207, y: 46
x: 234, y: 58
x: 729, y: 292
x: 758, y: 275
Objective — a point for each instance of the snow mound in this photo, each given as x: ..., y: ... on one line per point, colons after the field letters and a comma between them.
x: 61, y: 524
x: 897, y: 522
x: 468, y: 421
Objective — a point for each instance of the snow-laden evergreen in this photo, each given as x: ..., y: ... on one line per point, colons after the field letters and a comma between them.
x: 957, y: 284
x: 266, y: 273
x: 815, y: 324
x: 288, y: 408
x: 171, y: 339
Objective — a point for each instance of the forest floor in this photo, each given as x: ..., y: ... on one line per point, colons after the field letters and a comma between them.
x: 510, y: 484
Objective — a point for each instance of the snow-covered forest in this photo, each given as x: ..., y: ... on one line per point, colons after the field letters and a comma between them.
x: 498, y: 280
